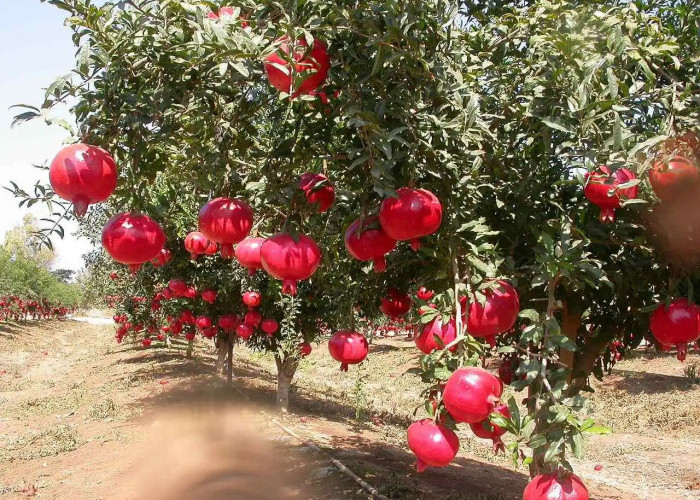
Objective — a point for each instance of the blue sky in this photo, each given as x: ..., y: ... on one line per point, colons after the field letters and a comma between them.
x: 35, y: 48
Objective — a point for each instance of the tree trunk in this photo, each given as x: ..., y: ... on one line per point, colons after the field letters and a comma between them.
x: 586, y: 358
x: 229, y: 358
x: 285, y: 374
x: 570, y: 323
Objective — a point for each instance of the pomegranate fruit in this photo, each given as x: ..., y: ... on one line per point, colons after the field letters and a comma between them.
x: 269, y: 326
x: 252, y: 299
x: 248, y: 254
x: 318, y: 190
x: 446, y: 332
x: 290, y: 259
x: 669, y: 178
x: 676, y: 325
x: 209, y: 296
x: 305, y: 349
x: 223, y: 11
x: 310, y: 66
x: 602, y: 189
x: 211, y: 249
x: 369, y: 242
x: 413, y: 214
x: 245, y: 331
x: 557, y: 486
x: 178, y: 287
x: 146, y: 342
x: 253, y: 318
x: 433, y: 444
x: 486, y: 430
x: 471, y: 394
x: 163, y: 257
x: 228, y: 322
x: 196, y: 243
x: 132, y: 239
x: 497, y: 315
x: 226, y: 221
x: 203, y: 322
x: 83, y: 174
x: 396, y: 304
x: 350, y: 348
x: 425, y: 294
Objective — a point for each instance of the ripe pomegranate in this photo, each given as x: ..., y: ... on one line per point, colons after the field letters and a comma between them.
x: 113, y: 276
x: 425, y: 337
x: 245, y: 331
x: 209, y: 296
x: 163, y: 257
x: 396, y: 304
x: 668, y: 178
x: 676, y: 325
x: 269, y: 326
x: 196, y: 243
x: 557, y: 486
x: 433, y: 444
x: 252, y: 299
x: 203, y: 322
x: 191, y: 292
x: 248, y: 254
x: 486, y: 430
x: 415, y: 213
x: 305, y: 349
x: 187, y: 317
x: 189, y: 336
x: 160, y: 337
x: 424, y: 294
x: 212, y: 248
x: 601, y: 189
x: 290, y: 259
x: 83, y: 175
x: 178, y: 287
x: 226, y: 221
x: 311, y: 65
x: 350, y: 348
x: 318, y: 190
x: 370, y: 242
x: 176, y: 328
x: 132, y: 239
x: 210, y: 332
x: 146, y: 342
x: 253, y: 318
x: 471, y: 394
x: 228, y: 322
x: 497, y: 315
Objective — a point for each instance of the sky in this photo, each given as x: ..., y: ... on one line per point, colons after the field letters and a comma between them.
x: 35, y: 49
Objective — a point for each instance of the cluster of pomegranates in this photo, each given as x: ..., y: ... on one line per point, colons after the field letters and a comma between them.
x: 13, y: 308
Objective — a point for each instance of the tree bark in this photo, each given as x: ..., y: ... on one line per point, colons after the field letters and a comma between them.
x: 570, y: 324
x: 286, y: 368
x: 229, y: 358
x: 586, y: 358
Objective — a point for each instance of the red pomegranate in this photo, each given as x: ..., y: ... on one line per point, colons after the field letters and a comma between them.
x: 178, y: 287
x: 187, y: 317
x: 290, y: 259
x: 132, y: 239
x: 557, y: 486
x: 601, y: 189
x: 471, y: 394
x: 252, y: 299
x: 446, y: 332
x: 203, y: 322
x: 189, y: 336
x: 425, y: 294
x: 223, y: 11
x: 497, y: 315
x: 191, y: 292
x: 228, y: 322
x: 226, y: 221
x: 396, y: 304
x: 245, y: 331
x: 310, y: 65
x: 305, y: 349
x: 209, y: 296
x: 163, y: 257
x: 433, y: 444
x: 676, y: 325
x: 248, y: 254
x: 269, y: 326
x: 415, y: 213
x: 83, y: 175
x: 486, y: 430
x: 318, y: 190
x: 211, y: 249
x: 253, y: 318
x: 370, y: 242
x: 350, y: 348
x: 146, y: 342
x: 671, y: 177
x: 196, y: 243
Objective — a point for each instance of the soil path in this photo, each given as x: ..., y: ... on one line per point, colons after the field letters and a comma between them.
x: 84, y: 418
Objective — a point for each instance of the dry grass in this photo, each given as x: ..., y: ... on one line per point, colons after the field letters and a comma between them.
x: 49, y: 442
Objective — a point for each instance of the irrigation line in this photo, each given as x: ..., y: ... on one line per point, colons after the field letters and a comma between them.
x: 340, y: 465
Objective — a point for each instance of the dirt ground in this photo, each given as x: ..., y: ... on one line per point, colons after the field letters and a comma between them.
x: 84, y: 418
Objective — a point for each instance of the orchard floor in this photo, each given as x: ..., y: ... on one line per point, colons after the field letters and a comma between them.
x: 84, y: 418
